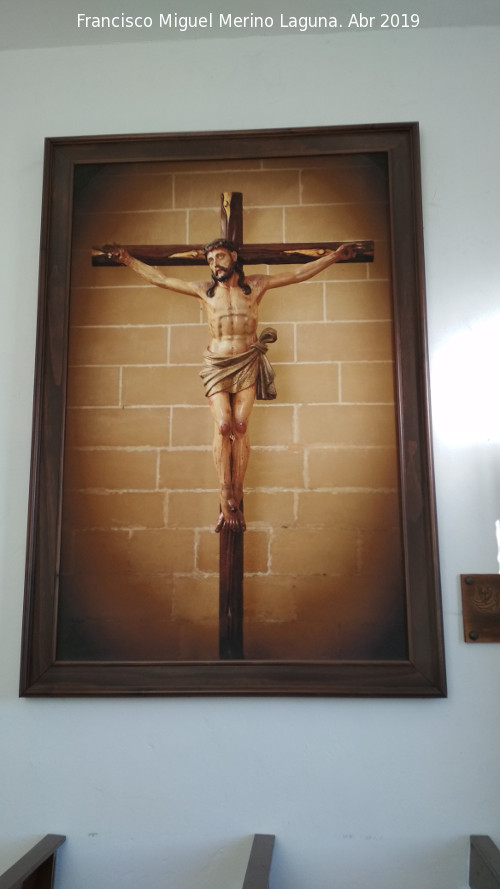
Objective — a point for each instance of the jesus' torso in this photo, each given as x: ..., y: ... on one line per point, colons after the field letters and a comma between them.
x: 233, y: 317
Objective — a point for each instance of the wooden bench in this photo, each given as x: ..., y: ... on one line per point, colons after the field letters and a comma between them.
x: 259, y: 862
x: 484, y: 866
x: 36, y: 869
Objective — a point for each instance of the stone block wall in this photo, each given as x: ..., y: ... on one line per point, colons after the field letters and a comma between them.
x: 139, y: 563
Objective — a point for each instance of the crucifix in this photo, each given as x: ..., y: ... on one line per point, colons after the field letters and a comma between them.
x: 237, y: 319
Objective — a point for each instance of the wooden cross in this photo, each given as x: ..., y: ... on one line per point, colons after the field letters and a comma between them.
x: 230, y: 542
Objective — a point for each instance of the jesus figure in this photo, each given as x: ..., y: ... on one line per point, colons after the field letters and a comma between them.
x: 236, y: 369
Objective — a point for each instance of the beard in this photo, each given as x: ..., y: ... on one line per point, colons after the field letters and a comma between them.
x: 224, y: 274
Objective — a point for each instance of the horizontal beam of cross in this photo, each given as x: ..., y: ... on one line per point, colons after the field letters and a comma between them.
x: 249, y: 254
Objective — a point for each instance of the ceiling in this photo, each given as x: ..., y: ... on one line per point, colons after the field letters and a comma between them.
x: 29, y: 24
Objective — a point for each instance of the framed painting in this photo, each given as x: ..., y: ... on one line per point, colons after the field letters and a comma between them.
x: 333, y: 588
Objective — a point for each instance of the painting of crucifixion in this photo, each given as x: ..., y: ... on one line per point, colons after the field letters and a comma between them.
x: 307, y: 563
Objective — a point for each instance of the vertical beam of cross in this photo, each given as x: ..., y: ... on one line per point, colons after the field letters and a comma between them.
x: 231, y: 543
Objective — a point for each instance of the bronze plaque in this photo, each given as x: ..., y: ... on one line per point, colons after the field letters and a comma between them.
x: 481, y: 607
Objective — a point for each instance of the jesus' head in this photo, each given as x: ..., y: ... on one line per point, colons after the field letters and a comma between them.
x: 222, y: 259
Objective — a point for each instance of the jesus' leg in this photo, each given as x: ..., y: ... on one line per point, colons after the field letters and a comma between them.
x: 242, y: 403
x: 230, y: 516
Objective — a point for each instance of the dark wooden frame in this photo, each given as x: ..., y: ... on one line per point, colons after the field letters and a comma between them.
x: 423, y: 673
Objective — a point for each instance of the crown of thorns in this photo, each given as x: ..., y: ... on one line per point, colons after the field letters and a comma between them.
x: 220, y: 242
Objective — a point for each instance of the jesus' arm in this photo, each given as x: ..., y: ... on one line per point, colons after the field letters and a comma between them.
x: 309, y: 269
x: 150, y: 274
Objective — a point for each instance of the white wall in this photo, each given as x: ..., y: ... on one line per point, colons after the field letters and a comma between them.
x: 359, y: 792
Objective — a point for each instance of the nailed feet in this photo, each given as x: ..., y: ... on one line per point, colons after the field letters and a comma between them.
x: 231, y: 516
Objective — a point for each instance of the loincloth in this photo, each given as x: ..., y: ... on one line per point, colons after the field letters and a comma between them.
x: 236, y: 372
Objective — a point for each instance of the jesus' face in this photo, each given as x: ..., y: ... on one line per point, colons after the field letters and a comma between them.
x: 221, y: 263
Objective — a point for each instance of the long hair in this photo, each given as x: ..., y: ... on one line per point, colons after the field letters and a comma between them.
x: 238, y: 268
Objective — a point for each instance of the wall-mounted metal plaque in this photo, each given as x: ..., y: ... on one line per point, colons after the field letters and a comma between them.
x: 481, y: 607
